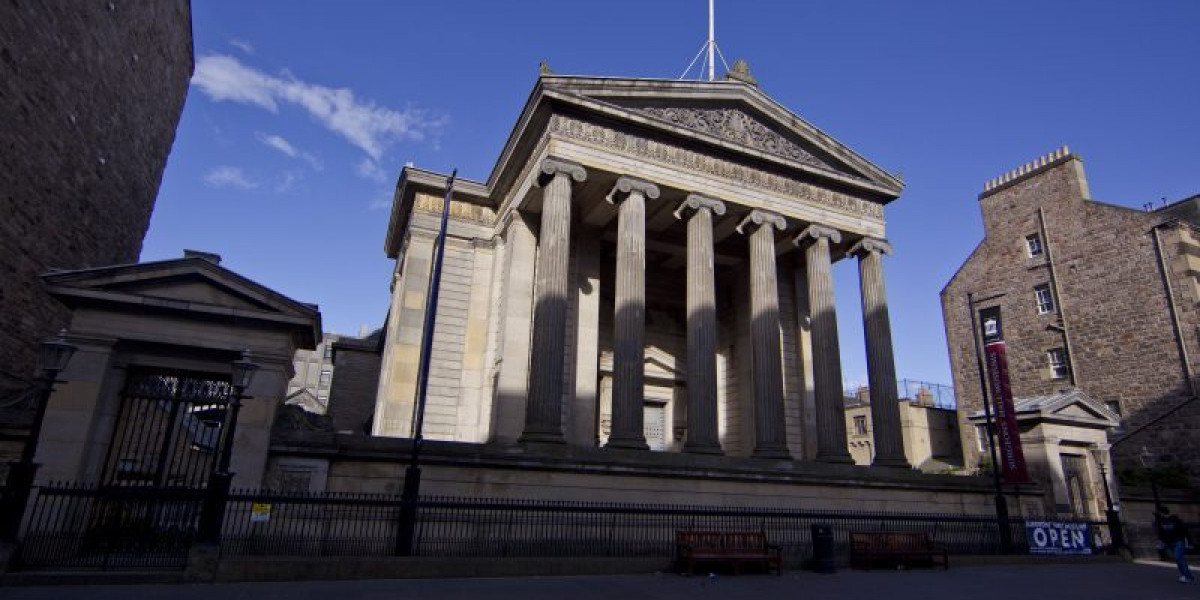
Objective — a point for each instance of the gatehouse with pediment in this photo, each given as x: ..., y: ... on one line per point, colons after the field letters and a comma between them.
x: 647, y: 267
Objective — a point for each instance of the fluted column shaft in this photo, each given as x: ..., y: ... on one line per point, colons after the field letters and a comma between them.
x: 702, y: 434
x: 827, y: 366
x: 770, y: 439
x: 881, y: 366
x: 543, y: 412
x: 629, y: 323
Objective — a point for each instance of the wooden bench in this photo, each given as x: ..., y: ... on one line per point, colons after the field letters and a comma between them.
x: 735, y: 548
x: 899, y: 548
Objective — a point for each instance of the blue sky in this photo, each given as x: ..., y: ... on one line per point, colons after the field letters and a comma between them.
x: 302, y: 113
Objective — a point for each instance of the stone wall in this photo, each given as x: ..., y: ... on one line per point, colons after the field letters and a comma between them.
x: 352, y: 395
x: 1111, y: 294
x: 90, y: 95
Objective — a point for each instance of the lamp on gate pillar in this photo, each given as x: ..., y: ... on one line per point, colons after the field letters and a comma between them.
x: 212, y: 514
x: 1115, y: 531
x: 56, y: 353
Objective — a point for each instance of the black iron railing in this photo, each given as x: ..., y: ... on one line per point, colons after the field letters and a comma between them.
x: 72, y: 526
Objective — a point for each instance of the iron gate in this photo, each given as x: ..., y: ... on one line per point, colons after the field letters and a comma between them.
x: 145, y: 512
x: 168, y: 429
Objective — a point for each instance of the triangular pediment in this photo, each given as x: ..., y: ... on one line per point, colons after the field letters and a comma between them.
x: 736, y: 125
x: 181, y: 283
x: 733, y: 114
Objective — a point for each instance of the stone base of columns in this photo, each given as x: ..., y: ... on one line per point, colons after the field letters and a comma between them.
x: 542, y: 437
x: 772, y: 451
x: 703, y: 448
x: 836, y: 459
x: 891, y: 463
x: 627, y: 443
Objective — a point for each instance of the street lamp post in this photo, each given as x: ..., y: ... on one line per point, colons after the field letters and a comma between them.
x: 1115, y: 530
x: 1149, y: 462
x: 212, y: 514
x: 1002, y: 520
x: 55, y: 354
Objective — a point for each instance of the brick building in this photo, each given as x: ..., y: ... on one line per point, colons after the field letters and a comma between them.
x: 1094, y: 296
x: 90, y: 96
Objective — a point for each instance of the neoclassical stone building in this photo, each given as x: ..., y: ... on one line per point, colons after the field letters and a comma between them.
x: 648, y: 266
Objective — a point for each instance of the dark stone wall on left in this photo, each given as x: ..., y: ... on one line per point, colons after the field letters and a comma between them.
x: 90, y: 96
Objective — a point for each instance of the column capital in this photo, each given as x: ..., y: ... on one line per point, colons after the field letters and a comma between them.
x: 627, y: 185
x: 758, y: 218
x: 695, y: 202
x: 816, y: 231
x: 554, y: 166
x: 870, y: 245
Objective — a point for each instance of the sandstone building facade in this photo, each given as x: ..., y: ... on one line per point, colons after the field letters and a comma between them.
x: 1094, y: 297
x: 648, y: 267
x: 90, y: 95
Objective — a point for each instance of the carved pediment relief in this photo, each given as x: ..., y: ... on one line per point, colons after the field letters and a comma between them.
x: 733, y: 125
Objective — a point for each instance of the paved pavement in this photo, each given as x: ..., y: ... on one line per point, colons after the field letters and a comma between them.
x: 1116, y: 581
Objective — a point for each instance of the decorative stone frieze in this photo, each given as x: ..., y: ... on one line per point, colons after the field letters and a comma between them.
x: 735, y: 126
x: 675, y: 156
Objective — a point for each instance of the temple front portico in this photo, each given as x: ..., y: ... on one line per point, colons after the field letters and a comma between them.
x: 648, y: 268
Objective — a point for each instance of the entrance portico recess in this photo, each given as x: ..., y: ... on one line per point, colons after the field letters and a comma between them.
x: 692, y: 222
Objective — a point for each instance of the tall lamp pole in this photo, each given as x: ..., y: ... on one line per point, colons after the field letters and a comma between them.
x: 1002, y: 521
x: 411, y: 494
x: 1150, y: 462
x: 56, y: 353
x: 1115, y: 531
x: 212, y: 514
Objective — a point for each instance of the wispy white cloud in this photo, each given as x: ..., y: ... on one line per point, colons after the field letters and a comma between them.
x: 369, y: 169
x: 381, y: 202
x: 242, y: 45
x: 366, y: 125
x: 287, y: 182
x: 282, y: 145
x: 278, y: 143
x: 226, y: 176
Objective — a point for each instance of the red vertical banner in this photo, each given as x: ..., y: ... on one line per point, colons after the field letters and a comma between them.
x: 1008, y: 435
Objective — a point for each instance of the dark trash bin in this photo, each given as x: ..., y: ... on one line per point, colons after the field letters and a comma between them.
x: 822, y: 540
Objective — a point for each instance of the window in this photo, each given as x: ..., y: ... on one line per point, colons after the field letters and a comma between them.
x: 1033, y: 244
x: 1057, y: 358
x: 1114, y: 406
x: 328, y: 350
x: 326, y: 375
x: 860, y: 425
x: 981, y: 438
x: 1045, y: 301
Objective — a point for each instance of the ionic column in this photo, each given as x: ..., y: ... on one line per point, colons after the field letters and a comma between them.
x: 702, y: 435
x: 543, y: 412
x: 881, y: 366
x: 629, y: 323
x: 827, y: 366
x: 770, y: 439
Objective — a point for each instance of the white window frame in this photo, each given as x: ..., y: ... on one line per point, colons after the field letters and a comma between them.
x: 1061, y: 368
x: 860, y: 425
x: 1033, y: 245
x: 326, y: 378
x: 1043, y: 298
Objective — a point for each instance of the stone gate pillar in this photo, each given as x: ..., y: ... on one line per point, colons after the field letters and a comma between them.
x: 543, y: 411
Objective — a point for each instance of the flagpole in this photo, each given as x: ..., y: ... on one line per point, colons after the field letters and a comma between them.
x: 712, y: 42
x: 412, y: 475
